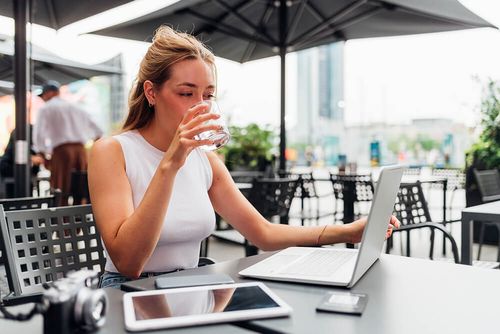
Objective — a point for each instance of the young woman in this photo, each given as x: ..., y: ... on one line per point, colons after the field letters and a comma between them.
x: 154, y: 191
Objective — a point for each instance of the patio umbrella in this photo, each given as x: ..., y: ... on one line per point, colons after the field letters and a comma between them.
x: 54, y: 14
x: 243, y: 30
x: 48, y: 66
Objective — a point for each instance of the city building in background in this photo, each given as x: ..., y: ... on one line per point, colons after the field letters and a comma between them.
x: 321, y: 135
x: 320, y: 105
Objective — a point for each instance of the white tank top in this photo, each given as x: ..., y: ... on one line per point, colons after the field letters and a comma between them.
x: 190, y: 217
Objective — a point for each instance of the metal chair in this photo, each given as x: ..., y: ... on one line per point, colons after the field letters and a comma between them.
x: 307, y: 192
x: 272, y: 198
x: 488, y: 182
x: 43, y: 245
x: 412, y: 171
x: 352, y: 190
x: 456, y: 182
x: 412, y: 211
x: 24, y: 203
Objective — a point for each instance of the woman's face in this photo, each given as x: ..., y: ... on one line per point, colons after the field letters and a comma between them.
x: 191, y: 82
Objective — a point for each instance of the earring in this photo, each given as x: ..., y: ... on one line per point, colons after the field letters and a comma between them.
x: 151, y: 105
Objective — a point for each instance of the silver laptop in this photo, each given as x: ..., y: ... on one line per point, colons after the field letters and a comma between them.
x: 336, y: 266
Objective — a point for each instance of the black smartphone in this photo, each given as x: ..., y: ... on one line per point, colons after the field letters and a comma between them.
x: 192, y: 280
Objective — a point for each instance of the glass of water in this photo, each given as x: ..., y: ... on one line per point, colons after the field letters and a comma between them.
x: 221, y: 136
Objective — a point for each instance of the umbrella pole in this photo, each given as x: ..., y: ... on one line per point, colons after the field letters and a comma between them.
x: 22, y: 173
x: 283, y: 22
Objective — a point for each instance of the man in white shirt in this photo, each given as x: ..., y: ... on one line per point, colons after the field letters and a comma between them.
x: 60, y: 132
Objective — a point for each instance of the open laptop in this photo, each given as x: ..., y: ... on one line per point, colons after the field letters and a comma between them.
x: 337, y: 266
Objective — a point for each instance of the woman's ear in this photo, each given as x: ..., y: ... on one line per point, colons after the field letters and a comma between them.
x: 149, y: 92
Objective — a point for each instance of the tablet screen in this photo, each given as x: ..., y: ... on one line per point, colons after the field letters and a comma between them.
x: 200, y: 305
x: 181, y: 303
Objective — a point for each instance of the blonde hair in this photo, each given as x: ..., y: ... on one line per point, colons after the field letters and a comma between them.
x: 168, y: 48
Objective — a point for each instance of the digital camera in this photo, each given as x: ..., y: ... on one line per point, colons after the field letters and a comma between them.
x: 74, y: 304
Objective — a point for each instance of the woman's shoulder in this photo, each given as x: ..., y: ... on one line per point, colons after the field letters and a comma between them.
x: 107, y: 146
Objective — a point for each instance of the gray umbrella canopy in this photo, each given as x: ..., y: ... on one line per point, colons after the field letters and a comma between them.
x: 243, y: 30
x: 56, y: 14
x: 48, y: 66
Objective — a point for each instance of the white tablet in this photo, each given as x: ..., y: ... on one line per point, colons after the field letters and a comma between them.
x: 191, y: 306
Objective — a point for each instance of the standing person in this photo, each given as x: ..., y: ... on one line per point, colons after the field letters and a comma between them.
x: 154, y: 190
x: 60, y: 132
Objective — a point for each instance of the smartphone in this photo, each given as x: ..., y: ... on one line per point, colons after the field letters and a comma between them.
x: 343, y: 302
x: 192, y: 280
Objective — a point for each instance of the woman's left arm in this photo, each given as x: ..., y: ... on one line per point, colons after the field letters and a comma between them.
x: 234, y: 208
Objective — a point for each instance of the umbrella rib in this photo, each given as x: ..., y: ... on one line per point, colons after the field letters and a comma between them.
x: 52, y: 14
x: 327, y: 21
x: 295, y: 20
x: 257, y: 30
x: 262, y: 22
x: 441, y: 18
x: 340, y: 26
x: 229, y: 30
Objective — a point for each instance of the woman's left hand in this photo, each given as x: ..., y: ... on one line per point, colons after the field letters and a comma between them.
x: 357, y: 227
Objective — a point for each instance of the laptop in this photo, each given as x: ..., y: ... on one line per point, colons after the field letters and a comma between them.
x: 337, y: 266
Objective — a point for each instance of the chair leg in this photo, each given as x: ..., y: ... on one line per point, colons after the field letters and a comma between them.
x: 431, y: 253
x: 481, y: 240
x: 408, y: 243
x: 498, y: 234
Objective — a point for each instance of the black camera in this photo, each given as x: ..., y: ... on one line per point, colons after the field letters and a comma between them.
x: 74, y: 304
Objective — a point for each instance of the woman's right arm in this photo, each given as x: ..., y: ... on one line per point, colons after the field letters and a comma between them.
x: 130, y: 235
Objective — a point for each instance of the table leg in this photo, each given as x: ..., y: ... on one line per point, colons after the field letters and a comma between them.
x: 349, y: 196
x: 466, y: 249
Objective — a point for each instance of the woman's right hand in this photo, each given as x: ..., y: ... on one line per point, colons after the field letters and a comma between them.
x: 192, y: 124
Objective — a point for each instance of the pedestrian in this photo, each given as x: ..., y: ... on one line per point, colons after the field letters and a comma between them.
x: 60, y: 133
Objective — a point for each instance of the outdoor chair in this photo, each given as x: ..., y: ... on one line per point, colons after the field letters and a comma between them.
x: 455, y: 182
x: 246, y: 176
x: 488, y: 182
x: 272, y: 198
x: 43, y: 245
x: 356, y: 193
x: 412, y: 171
x: 308, y: 193
x: 79, y: 187
x: 24, y: 203
x: 412, y: 211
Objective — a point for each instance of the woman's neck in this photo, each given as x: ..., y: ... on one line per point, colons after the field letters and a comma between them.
x: 157, y: 136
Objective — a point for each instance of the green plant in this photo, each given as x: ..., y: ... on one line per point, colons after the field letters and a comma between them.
x: 250, y: 147
x: 485, y: 153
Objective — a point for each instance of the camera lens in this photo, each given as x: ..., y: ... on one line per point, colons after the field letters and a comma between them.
x: 90, y: 309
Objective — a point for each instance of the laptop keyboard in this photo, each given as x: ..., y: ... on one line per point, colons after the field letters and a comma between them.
x: 319, y: 263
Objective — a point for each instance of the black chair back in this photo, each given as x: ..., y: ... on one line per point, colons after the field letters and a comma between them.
x: 273, y: 197
x: 363, y: 186
x: 413, y: 212
x: 411, y: 206
x: 43, y: 245
x: 488, y: 182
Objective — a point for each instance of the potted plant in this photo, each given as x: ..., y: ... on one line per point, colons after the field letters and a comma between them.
x: 250, y: 148
x: 485, y: 152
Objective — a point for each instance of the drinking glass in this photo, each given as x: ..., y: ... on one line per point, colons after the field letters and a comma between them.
x: 221, y: 136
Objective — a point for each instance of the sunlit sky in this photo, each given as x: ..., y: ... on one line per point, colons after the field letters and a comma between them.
x: 421, y: 76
